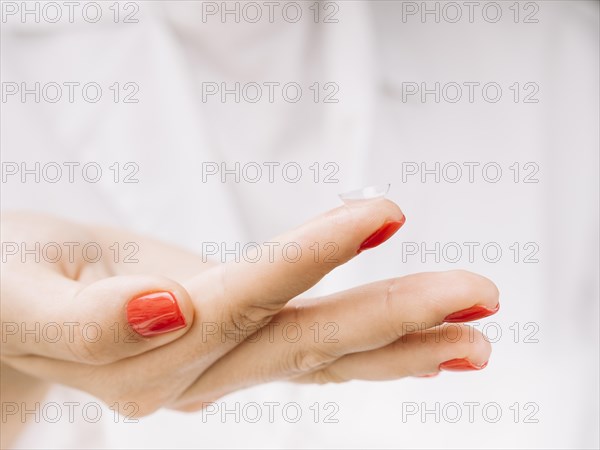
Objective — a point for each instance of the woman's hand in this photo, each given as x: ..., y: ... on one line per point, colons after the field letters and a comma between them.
x: 173, y: 331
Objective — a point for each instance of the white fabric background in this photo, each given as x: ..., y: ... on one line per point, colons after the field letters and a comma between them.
x: 369, y: 53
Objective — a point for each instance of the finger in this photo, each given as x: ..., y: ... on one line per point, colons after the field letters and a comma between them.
x: 98, y: 323
x: 423, y: 354
x: 358, y: 320
x: 453, y: 347
x: 377, y: 314
x: 247, y: 294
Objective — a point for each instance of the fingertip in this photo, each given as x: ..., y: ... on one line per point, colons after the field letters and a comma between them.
x: 470, y: 352
x: 123, y: 316
x: 382, y: 234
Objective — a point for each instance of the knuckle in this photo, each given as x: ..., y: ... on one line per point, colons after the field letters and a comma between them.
x: 86, y: 352
x: 247, y: 319
x: 93, y: 351
x: 395, y: 328
x: 305, y: 360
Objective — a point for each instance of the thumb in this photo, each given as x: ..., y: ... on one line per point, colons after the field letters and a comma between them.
x: 98, y: 323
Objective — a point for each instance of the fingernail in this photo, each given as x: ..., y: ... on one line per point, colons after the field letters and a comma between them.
x: 154, y: 313
x: 367, y: 193
x: 429, y: 375
x: 385, y: 232
x: 472, y: 313
x: 461, y: 365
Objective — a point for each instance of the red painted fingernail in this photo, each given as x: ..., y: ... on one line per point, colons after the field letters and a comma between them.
x: 429, y: 375
x: 472, y: 313
x: 460, y: 365
x: 154, y: 313
x: 385, y: 232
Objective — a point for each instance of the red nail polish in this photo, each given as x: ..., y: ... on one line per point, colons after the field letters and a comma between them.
x: 472, y: 313
x: 154, y: 313
x: 385, y: 232
x: 461, y: 365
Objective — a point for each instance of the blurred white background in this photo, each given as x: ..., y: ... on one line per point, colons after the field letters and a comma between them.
x: 549, y: 369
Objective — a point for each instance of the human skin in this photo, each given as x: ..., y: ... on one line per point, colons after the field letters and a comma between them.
x: 243, y: 303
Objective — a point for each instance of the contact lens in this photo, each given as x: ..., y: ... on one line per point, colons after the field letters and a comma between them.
x: 367, y: 193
